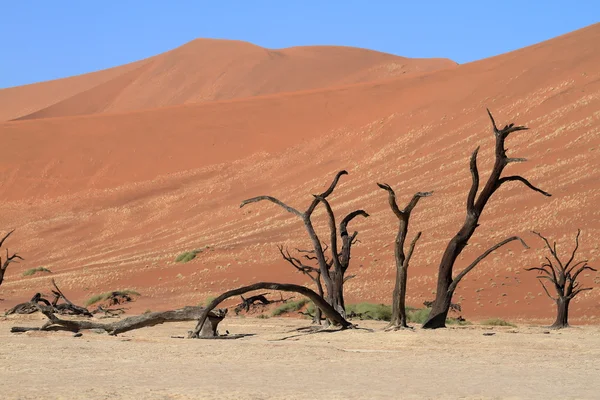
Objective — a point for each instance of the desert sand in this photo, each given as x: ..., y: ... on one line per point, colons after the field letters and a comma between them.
x: 107, y: 177
x: 278, y: 363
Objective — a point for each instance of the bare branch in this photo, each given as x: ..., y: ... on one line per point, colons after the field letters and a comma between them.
x: 574, y: 250
x: 508, y: 129
x: 411, y: 249
x: 6, y: 237
x: 580, y: 270
x: 457, y: 279
x: 524, y: 181
x: 541, y: 269
x: 552, y: 249
x: 272, y: 200
x: 326, y: 193
x: 515, y: 160
x: 576, y: 292
x: 348, y: 218
x: 546, y: 290
x: 413, y: 202
x: 475, y: 180
x: 391, y: 199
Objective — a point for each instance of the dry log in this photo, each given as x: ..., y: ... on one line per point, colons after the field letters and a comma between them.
x: 209, y: 329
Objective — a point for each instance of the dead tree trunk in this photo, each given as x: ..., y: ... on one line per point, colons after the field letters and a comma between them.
x: 341, y: 258
x: 564, y: 278
x: 475, y: 205
x: 136, y: 322
x: 333, y: 281
x: 328, y: 310
x: 9, y: 259
x: 398, y: 319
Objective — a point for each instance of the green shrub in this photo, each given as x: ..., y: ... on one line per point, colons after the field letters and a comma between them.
x: 187, y: 256
x: 34, y: 270
x: 417, y: 315
x: 383, y: 312
x: 497, y: 322
x: 379, y: 312
x: 290, y: 306
x: 105, y: 296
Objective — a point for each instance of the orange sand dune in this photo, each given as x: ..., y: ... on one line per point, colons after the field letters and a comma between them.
x: 205, y: 70
x: 108, y: 201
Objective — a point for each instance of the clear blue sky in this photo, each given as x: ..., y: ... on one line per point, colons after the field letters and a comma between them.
x: 45, y: 39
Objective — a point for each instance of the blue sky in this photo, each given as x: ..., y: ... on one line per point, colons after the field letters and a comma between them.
x: 42, y: 40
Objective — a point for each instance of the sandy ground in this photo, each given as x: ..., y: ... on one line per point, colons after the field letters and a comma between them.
x: 275, y: 363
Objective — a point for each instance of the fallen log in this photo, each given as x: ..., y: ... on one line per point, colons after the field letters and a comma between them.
x: 209, y: 329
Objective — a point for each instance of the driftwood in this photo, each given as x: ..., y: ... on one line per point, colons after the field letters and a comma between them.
x: 54, y: 323
x: 66, y: 308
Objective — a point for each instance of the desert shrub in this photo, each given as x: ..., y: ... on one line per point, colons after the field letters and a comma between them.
x: 417, y: 315
x: 379, y: 312
x: 32, y: 271
x: 497, y: 322
x: 105, y: 296
x: 187, y: 256
x: 383, y: 312
x: 262, y: 316
x: 290, y: 306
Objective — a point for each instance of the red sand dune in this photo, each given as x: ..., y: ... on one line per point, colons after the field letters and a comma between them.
x: 107, y: 201
x: 206, y: 70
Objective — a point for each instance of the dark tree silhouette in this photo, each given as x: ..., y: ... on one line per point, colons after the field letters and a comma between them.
x: 564, y: 278
x: 398, y: 319
x: 332, y: 275
x: 9, y: 259
x: 475, y: 204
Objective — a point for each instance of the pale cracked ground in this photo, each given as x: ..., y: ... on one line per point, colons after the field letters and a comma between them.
x: 514, y: 363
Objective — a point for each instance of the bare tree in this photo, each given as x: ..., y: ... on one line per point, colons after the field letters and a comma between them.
x: 475, y: 204
x: 9, y: 259
x: 398, y: 319
x: 564, y: 278
x: 333, y: 278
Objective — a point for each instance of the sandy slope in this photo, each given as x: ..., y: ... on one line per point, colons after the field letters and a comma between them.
x: 514, y: 363
x: 206, y: 70
x: 107, y: 201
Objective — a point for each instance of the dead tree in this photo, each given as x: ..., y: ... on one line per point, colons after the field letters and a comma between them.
x: 564, y: 278
x: 9, y: 259
x: 136, y: 322
x: 398, y: 319
x: 328, y: 310
x: 475, y: 204
x: 333, y: 280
